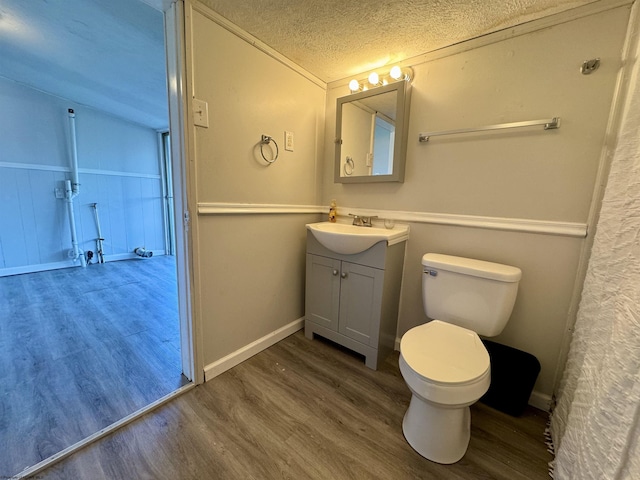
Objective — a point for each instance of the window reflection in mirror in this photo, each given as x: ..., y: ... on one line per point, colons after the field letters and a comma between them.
x: 371, y: 135
x: 384, y: 133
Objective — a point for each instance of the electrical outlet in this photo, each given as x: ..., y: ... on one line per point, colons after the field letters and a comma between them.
x: 200, y: 113
x: 59, y: 193
x: 288, y: 141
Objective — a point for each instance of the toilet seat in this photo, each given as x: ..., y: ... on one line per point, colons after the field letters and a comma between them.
x: 445, y: 364
x: 445, y: 354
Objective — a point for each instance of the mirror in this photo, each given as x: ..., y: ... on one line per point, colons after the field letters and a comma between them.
x: 371, y: 134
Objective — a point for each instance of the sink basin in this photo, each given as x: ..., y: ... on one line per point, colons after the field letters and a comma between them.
x: 349, y: 239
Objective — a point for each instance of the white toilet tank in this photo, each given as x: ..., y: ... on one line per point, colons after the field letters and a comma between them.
x: 473, y: 294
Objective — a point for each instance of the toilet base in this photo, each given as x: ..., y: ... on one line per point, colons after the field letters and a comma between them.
x: 438, y: 433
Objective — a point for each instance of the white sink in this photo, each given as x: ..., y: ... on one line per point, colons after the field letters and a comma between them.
x: 349, y: 239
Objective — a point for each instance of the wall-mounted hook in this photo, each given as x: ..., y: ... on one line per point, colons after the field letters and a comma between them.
x: 590, y: 66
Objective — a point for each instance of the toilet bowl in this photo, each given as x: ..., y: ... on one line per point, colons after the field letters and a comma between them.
x: 447, y: 368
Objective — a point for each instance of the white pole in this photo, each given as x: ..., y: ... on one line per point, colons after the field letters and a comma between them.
x: 75, y: 184
x: 72, y: 189
x: 99, y: 240
x: 75, y: 252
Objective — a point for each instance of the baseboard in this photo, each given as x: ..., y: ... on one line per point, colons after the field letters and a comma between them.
x: 220, y: 366
x: 540, y: 400
x: 42, y: 267
x: 537, y: 399
x: 128, y: 256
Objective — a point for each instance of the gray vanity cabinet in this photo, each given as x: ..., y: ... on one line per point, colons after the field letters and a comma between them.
x: 353, y: 299
x: 344, y: 297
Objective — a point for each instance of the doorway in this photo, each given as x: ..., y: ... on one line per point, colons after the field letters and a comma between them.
x: 122, y: 321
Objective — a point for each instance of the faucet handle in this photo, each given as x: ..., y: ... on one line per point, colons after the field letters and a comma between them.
x: 366, y: 221
x: 357, y: 220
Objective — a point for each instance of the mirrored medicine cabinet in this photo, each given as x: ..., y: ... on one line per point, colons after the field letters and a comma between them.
x: 371, y: 134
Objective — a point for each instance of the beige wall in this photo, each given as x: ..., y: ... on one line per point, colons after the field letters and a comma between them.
x: 252, y: 275
x: 250, y: 94
x: 249, y: 268
x: 525, y: 174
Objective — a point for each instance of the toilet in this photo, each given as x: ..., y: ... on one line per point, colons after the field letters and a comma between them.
x: 444, y: 362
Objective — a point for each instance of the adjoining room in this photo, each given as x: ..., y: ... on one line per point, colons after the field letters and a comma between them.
x: 89, y: 318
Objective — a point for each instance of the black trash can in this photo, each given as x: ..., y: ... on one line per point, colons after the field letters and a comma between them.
x: 513, y: 375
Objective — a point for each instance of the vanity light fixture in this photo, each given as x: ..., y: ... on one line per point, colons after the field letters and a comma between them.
x: 375, y: 80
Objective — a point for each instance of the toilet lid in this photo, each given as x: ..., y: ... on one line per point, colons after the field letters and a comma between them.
x: 445, y: 353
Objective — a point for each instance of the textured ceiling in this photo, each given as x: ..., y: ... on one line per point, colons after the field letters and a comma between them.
x: 109, y: 54
x: 334, y: 39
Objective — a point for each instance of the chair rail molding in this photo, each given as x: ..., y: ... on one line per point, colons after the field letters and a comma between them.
x: 548, y: 227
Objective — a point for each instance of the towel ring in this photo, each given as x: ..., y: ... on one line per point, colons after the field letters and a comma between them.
x: 349, y: 165
x: 266, y: 140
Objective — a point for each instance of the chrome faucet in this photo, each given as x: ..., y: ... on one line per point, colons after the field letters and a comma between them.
x: 359, y: 221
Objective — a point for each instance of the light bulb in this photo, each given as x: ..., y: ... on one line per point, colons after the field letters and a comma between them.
x: 396, y: 72
x: 354, y: 86
x: 374, y: 78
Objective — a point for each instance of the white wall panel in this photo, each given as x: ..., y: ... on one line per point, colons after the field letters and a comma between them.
x: 1, y: 255
x: 134, y: 227
x: 117, y: 239
x: 115, y: 145
x: 50, y: 236
x: 21, y: 141
x: 14, y: 248
x: 152, y: 214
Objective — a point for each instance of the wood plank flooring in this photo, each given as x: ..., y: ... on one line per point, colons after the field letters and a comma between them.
x: 81, y: 348
x: 303, y: 409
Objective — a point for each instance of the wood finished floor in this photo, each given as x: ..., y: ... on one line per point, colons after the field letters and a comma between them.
x: 303, y: 409
x: 81, y: 348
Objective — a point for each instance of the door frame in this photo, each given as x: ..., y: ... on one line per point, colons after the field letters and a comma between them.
x: 183, y: 196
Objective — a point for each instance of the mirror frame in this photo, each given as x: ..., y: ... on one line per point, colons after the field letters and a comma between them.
x: 403, y: 101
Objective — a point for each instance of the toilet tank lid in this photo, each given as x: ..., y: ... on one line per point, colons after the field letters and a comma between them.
x: 470, y: 266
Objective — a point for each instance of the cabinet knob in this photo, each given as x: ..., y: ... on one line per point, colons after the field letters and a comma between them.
x: 343, y: 274
x: 335, y: 272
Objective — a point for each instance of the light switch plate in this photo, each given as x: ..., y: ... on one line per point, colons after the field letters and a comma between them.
x: 369, y: 160
x: 200, y: 113
x: 288, y: 141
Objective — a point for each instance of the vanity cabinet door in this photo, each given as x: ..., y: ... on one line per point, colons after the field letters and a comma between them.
x: 360, y: 302
x: 322, y: 300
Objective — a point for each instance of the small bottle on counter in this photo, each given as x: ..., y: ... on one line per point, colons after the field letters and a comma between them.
x: 333, y: 211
